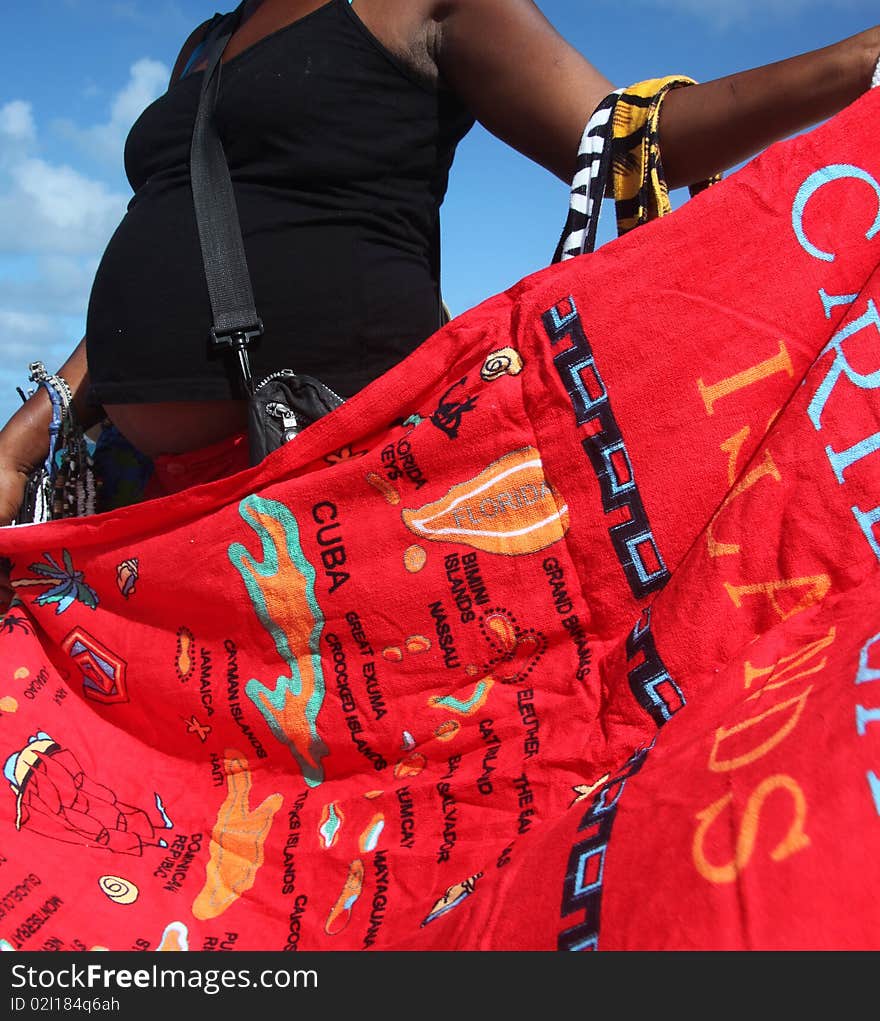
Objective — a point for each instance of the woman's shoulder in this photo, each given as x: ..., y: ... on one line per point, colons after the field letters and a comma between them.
x: 193, y: 41
x: 412, y: 29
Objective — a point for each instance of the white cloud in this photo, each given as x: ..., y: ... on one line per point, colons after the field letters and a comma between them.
x: 26, y: 325
x: 55, y: 220
x: 54, y: 208
x: 28, y: 337
x: 23, y: 331
x: 17, y: 122
x: 58, y: 285
x: 147, y: 80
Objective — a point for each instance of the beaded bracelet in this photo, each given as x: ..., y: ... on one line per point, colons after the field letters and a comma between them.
x: 64, y: 485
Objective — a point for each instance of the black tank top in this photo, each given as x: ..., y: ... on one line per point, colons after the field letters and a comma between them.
x: 339, y: 158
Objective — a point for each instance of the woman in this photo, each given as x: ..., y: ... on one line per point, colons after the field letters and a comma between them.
x: 340, y: 156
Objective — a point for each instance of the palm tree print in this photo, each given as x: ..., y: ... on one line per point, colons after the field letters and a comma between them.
x: 68, y: 585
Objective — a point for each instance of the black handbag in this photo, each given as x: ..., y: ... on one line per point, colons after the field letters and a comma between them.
x: 284, y: 403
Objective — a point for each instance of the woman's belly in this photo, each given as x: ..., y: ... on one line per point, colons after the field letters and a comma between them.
x: 175, y: 427
x: 335, y: 303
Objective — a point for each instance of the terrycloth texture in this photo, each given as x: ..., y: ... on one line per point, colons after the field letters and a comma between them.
x: 564, y: 633
x: 638, y: 184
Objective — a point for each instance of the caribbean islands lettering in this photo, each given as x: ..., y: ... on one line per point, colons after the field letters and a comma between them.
x: 570, y: 620
x: 407, y: 818
x: 358, y: 634
x: 218, y: 944
x: 218, y: 773
x: 380, y: 897
x: 399, y: 462
x: 466, y: 585
x: 179, y: 857
x: 295, y: 922
x: 349, y: 704
x: 329, y: 537
x: 36, y: 684
x: 294, y: 825
x: 17, y: 894
x: 449, y: 809
x: 444, y: 635
x: 529, y: 717
x: 288, y: 875
x: 35, y: 921
x: 487, y: 733
x: 55, y: 944
x: 524, y: 797
x: 206, y: 695
x: 232, y: 693
x: 371, y: 680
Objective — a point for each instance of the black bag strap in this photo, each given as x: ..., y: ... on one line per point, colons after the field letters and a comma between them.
x: 236, y: 321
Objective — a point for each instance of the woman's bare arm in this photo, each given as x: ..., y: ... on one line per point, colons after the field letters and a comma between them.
x: 24, y: 440
x: 718, y: 124
x: 532, y: 89
x: 518, y: 76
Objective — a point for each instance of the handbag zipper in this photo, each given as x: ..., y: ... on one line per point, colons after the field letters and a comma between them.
x: 288, y: 420
x: 274, y: 375
x: 287, y: 373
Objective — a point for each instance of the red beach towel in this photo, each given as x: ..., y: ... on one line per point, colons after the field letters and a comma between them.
x: 563, y: 634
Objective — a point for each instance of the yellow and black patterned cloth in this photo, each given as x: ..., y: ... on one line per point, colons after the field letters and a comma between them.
x: 619, y: 157
x: 637, y: 182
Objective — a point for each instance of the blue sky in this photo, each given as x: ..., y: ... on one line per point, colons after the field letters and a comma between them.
x: 76, y: 73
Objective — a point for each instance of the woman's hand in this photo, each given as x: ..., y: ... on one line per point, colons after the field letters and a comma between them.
x: 13, y: 477
x: 24, y: 444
